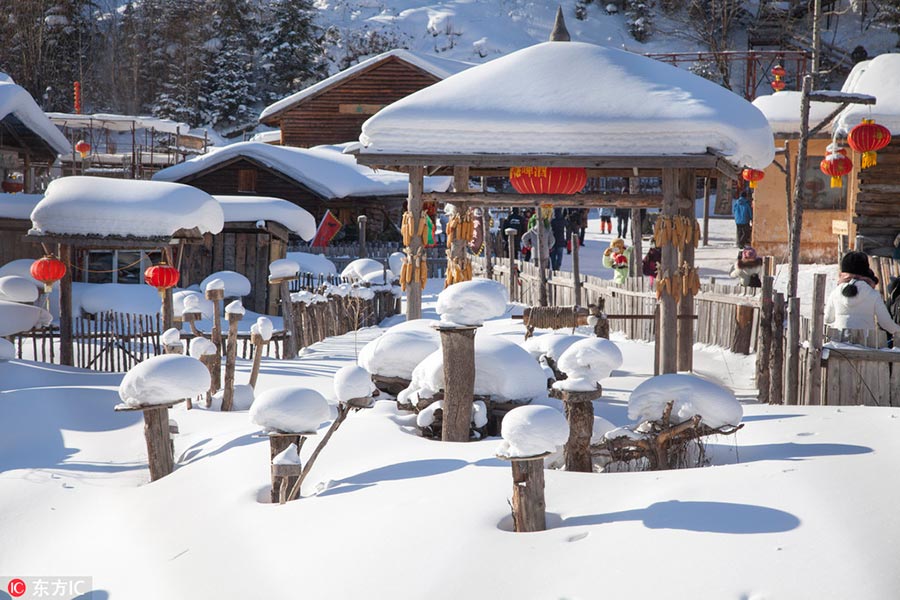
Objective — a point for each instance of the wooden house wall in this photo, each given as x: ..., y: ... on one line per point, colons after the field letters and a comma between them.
x: 318, y: 120
x: 874, y: 201
x: 12, y: 247
x: 770, y: 214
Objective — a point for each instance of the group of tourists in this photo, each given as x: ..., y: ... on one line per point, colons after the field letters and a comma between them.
x: 552, y: 233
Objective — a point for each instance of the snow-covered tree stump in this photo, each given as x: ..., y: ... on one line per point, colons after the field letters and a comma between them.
x: 172, y: 344
x: 458, y: 347
x: 216, y: 295
x: 598, y: 319
x: 580, y: 415
x: 258, y: 343
x: 234, y: 312
x: 528, y: 504
x: 284, y: 472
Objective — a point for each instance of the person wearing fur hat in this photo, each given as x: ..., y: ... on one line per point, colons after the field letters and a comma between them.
x: 748, y: 268
x: 617, y: 257
x: 854, y: 303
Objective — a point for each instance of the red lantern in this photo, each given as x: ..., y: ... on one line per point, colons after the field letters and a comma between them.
x: 778, y: 85
x: 548, y: 180
x: 82, y: 148
x: 836, y: 165
x: 77, y: 89
x: 752, y: 175
x: 48, y: 270
x: 868, y: 137
x: 162, y: 277
x: 778, y: 71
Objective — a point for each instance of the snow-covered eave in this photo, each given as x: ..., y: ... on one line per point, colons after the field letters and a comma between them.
x: 108, y: 242
x: 709, y: 160
x: 275, y: 109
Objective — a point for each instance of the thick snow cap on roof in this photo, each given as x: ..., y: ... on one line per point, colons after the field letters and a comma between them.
x: 879, y: 77
x: 124, y: 207
x: 18, y: 206
x: 782, y: 110
x: 18, y: 102
x: 260, y: 208
x: 576, y: 99
x: 324, y: 170
x: 118, y: 122
x: 437, y: 66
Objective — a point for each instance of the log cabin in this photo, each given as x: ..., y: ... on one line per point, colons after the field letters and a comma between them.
x: 333, y: 110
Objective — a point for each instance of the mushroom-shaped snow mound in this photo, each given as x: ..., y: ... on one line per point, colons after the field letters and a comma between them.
x: 191, y: 301
x: 124, y: 207
x: 398, y: 353
x: 472, y: 302
x: 7, y: 350
x: 550, y: 344
x: 532, y: 431
x: 18, y: 289
x: 503, y: 370
x: 352, y: 382
x: 200, y: 346
x: 22, y: 268
x: 395, y: 261
x: 312, y: 263
x: 164, y: 379
x: 283, y: 268
x: 361, y: 267
x: 290, y: 410
x: 16, y: 318
x: 691, y: 395
x: 263, y: 327
x: 236, y: 285
x: 587, y: 362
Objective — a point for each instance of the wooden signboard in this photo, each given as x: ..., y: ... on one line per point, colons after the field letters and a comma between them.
x: 359, y: 109
x: 839, y: 227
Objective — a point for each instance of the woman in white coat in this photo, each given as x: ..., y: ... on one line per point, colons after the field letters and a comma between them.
x: 854, y: 303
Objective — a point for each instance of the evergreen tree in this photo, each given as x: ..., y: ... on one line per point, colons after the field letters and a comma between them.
x: 639, y: 17
x: 291, y: 56
x: 178, y: 93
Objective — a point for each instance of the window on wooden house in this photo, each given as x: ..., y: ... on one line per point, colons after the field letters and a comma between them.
x: 818, y: 193
x: 118, y: 266
x: 247, y: 180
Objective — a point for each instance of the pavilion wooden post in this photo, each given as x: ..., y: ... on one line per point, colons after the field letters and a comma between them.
x: 287, y: 314
x: 216, y: 297
x: 580, y: 415
x: 706, y: 211
x: 764, y: 348
x: 676, y: 186
x: 168, y: 311
x: 576, y: 268
x: 414, y: 203
x: 637, y: 251
x: 230, y: 358
x: 792, y: 352
x: 458, y: 348
x: 776, y: 364
x: 361, y: 221
x: 529, y: 508
x: 541, y: 261
x: 686, y: 305
x: 258, y: 343
x: 814, y: 357
x: 283, y: 476
x: 511, y: 233
x: 66, y: 343
x: 488, y: 246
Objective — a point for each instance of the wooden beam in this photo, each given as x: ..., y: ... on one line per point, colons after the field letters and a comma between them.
x: 476, y: 161
x: 558, y: 200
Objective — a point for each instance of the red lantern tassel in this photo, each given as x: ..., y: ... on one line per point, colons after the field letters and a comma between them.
x: 752, y: 185
x: 869, y: 159
x: 836, y: 182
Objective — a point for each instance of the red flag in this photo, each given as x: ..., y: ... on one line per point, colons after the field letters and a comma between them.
x: 328, y: 228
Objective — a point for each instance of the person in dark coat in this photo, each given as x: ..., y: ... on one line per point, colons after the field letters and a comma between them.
x: 558, y: 224
x: 514, y: 221
x: 623, y: 216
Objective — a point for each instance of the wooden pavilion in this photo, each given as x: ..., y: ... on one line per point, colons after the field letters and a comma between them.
x: 580, y: 106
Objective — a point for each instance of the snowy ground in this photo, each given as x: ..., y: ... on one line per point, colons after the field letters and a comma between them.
x: 796, y: 505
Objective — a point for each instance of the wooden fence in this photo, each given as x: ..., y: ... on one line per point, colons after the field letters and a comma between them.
x: 343, y: 254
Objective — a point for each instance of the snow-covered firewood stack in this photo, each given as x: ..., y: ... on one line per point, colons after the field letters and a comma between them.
x: 674, y: 411
x: 529, y: 434
x: 153, y: 386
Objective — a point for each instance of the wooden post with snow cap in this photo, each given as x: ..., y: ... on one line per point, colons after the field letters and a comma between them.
x: 172, y: 344
x: 216, y: 295
x: 814, y: 357
x: 361, y: 221
x: 287, y: 314
x: 284, y: 472
x: 260, y: 333
x: 458, y: 349
x: 528, y: 504
x: 234, y: 312
x: 576, y: 268
x: 511, y: 233
x: 580, y: 415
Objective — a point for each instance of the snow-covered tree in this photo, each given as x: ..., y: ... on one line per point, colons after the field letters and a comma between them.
x: 639, y: 17
x: 290, y: 53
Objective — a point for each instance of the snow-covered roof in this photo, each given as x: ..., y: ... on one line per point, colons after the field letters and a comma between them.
x: 437, y: 66
x: 14, y: 100
x: 324, y: 169
x: 269, y: 137
x: 879, y: 77
x: 124, y: 207
x: 18, y: 206
x: 260, y: 208
x: 118, y: 122
x: 782, y: 110
x: 576, y: 99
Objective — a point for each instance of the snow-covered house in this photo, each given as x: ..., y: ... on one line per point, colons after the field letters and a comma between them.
x: 333, y: 110
x: 29, y: 142
x: 866, y: 205
x: 315, y: 179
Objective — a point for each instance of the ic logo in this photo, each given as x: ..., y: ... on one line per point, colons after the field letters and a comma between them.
x: 16, y: 588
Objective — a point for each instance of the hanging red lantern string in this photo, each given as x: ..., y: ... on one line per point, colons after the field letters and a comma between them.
x: 77, y: 89
x: 778, y: 73
x: 48, y: 270
x: 548, y: 180
x: 752, y: 175
x: 162, y: 277
x: 82, y: 148
x: 836, y: 164
x: 868, y: 137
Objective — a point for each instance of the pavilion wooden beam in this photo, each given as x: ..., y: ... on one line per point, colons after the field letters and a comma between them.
x: 557, y: 200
